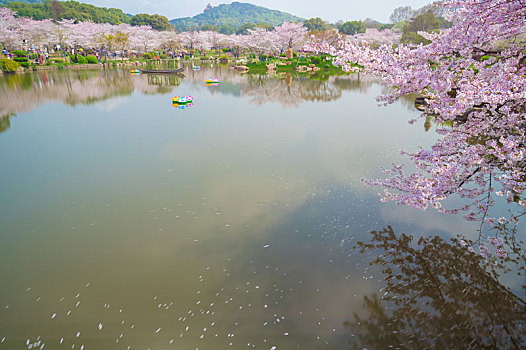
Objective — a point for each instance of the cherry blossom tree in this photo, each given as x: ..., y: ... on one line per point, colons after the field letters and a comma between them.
x: 290, y: 36
x: 10, y: 35
x: 261, y: 41
x: 472, y: 80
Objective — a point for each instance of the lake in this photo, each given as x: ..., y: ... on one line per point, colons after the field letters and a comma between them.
x: 129, y: 223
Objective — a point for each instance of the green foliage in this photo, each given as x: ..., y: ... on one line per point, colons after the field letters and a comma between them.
x: 20, y: 59
x: 163, y: 56
x: 315, y: 24
x: 243, y: 30
x: 25, y: 64
x: 235, y: 15
x: 265, y: 26
x: 92, y: 59
x: 226, y: 29
x: 81, y: 59
x: 67, y: 10
x: 157, y: 22
x: 315, y: 59
x: 223, y: 58
x: 5, y: 2
x: 208, y: 27
x: 147, y: 56
x: 9, y: 66
x: 398, y: 27
x: 425, y: 22
x: 352, y: 27
x: 19, y: 53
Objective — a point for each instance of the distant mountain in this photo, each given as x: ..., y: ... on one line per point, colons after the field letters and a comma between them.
x: 234, y: 15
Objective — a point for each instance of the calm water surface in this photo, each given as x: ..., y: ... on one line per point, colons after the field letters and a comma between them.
x: 126, y: 223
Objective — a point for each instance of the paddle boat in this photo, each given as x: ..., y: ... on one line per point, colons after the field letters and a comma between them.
x: 135, y: 71
x: 196, y: 67
x: 182, y: 100
x: 212, y: 81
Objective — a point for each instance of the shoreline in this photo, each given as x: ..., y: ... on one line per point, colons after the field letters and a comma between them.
x: 23, y: 70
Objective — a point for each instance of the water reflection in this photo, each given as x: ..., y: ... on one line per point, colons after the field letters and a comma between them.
x: 437, y: 294
x: 24, y: 92
x: 232, y: 216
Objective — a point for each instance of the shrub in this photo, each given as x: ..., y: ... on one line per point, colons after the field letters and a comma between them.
x: 294, y: 54
x: 147, y: 56
x: 315, y: 59
x: 282, y: 55
x: 81, y: 59
x: 223, y: 58
x: 9, y: 65
x: 60, y: 66
x: 24, y: 64
x: 327, y: 66
x: 163, y: 56
x: 226, y: 50
x: 204, y: 58
x: 92, y: 59
x: 19, y: 53
x: 20, y: 59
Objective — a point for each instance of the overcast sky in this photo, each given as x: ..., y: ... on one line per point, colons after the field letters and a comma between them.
x: 329, y: 10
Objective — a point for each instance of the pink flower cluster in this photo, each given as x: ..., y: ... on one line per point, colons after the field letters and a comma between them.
x: 473, y: 79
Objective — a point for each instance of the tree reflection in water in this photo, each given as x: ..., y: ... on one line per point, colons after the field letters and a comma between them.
x: 290, y: 90
x: 439, y: 295
x: 24, y: 92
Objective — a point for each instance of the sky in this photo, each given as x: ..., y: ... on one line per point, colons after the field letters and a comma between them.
x: 329, y: 10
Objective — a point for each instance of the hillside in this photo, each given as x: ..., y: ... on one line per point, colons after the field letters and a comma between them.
x: 38, y: 10
x: 234, y: 15
x: 4, y: 2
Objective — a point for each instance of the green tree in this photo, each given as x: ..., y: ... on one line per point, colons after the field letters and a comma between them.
x: 208, y: 27
x: 243, y: 30
x: 55, y: 9
x: 352, y: 27
x: 226, y: 29
x: 265, y: 26
x: 315, y: 24
x: 157, y: 22
x: 425, y: 22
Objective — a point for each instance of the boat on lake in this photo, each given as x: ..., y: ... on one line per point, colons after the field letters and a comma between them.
x: 163, y: 71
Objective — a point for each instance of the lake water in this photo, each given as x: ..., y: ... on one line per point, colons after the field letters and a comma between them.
x: 128, y: 223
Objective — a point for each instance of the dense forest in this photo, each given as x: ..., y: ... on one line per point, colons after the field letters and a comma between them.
x: 67, y: 10
x: 229, y: 18
x: 4, y: 2
x: 57, y: 10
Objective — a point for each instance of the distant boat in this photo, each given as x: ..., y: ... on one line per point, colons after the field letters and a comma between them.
x: 163, y: 71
